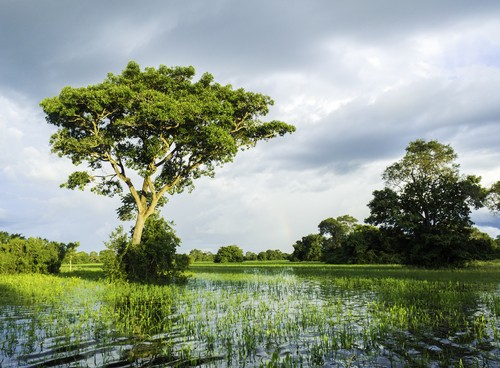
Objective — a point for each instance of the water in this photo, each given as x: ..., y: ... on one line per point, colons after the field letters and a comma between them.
x: 258, y: 317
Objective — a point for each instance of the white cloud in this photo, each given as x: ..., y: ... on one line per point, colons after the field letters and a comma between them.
x: 358, y: 80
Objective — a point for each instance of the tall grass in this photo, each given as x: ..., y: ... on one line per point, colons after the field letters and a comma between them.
x: 272, y: 314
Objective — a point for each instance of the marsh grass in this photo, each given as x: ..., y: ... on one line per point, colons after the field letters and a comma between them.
x: 91, y: 271
x: 260, y: 314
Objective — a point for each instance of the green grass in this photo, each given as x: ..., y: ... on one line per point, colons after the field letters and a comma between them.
x: 255, y: 314
x: 90, y: 271
x: 479, y: 272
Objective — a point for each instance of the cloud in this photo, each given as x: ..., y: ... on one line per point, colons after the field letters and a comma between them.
x: 359, y: 79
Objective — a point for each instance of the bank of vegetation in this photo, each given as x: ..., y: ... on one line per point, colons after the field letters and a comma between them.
x: 19, y: 254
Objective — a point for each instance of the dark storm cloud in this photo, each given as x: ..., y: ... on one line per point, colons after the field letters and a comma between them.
x: 52, y: 43
x: 360, y: 79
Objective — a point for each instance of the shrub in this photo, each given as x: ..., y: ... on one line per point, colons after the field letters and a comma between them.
x: 154, y: 260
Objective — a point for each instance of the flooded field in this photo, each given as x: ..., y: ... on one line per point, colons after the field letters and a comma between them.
x: 251, y: 315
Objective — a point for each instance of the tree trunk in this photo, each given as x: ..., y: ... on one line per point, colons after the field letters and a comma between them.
x: 138, y: 228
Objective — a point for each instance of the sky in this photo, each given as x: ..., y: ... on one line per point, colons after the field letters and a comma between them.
x: 359, y: 80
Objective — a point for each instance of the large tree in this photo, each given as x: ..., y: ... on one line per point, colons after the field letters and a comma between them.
x: 156, y: 131
x: 426, y: 205
x: 335, y: 233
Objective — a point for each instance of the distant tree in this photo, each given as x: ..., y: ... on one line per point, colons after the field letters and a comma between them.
x: 70, y: 255
x: 103, y: 253
x: 31, y: 255
x: 262, y: 256
x: 81, y: 257
x: 250, y: 256
x: 230, y: 253
x: 4, y: 237
x: 308, y: 248
x: 201, y: 256
x: 94, y: 257
x: 483, y: 246
x: 426, y: 205
x: 276, y: 255
x: 366, y: 244
x: 156, y: 130
x: 335, y: 233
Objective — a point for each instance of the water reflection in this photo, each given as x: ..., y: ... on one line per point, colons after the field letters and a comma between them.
x: 241, y: 316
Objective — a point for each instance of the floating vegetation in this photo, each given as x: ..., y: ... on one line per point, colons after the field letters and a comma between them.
x: 255, y: 316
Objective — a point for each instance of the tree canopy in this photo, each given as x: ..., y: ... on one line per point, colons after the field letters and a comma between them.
x: 156, y: 131
x: 308, y: 248
x: 335, y: 232
x: 229, y: 253
x: 426, y: 205
x: 31, y: 255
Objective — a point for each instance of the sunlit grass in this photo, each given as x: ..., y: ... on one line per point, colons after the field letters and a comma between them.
x: 255, y: 314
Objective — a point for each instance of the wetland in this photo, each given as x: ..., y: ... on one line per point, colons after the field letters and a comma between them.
x: 277, y: 314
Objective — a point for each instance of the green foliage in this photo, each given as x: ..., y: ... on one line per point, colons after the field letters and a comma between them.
x: 32, y: 255
x: 113, y: 264
x: 309, y: 248
x: 230, y: 313
x: 251, y: 256
x: 347, y: 242
x: 426, y: 204
x: 154, y: 260
x: 158, y: 125
x: 230, y: 253
x: 268, y: 255
x: 493, y: 198
x: 200, y: 256
x: 335, y: 232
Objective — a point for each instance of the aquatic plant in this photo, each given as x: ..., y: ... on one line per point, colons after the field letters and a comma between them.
x: 249, y: 315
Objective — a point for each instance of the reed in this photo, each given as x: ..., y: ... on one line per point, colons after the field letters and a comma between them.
x: 265, y: 315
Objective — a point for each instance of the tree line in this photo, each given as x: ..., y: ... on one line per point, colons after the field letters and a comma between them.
x: 233, y: 253
x: 422, y: 217
x: 31, y: 255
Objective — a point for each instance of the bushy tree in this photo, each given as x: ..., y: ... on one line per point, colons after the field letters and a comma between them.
x: 112, y: 257
x: 347, y: 242
x: 426, y: 205
x: 31, y: 255
x: 156, y: 131
x: 94, y: 257
x: 262, y: 256
x: 335, y: 233
x: 197, y: 255
x: 483, y: 246
x: 366, y: 244
x: 82, y: 257
x: 309, y: 248
x: 276, y: 255
x: 230, y: 253
x: 250, y: 256
x: 154, y: 260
